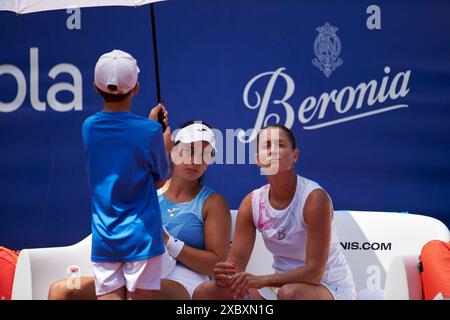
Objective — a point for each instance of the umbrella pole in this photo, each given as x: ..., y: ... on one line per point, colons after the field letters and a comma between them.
x: 155, y: 60
x: 155, y: 52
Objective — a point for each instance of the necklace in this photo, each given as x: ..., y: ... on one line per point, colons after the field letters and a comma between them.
x: 171, y: 211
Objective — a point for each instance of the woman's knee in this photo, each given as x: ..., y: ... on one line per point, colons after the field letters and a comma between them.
x: 201, y: 292
x: 173, y: 290
x: 208, y: 291
x: 286, y: 292
x: 294, y: 291
x: 303, y: 291
x: 59, y: 291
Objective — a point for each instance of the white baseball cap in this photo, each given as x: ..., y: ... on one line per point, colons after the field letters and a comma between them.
x: 117, y: 68
x: 196, y: 131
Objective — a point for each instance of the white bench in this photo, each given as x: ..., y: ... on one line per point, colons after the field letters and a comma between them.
x: 382, y: 250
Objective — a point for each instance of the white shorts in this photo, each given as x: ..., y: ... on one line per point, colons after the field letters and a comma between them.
x: 338, y: 293
x: 143, y: 274
x: 186, y: 277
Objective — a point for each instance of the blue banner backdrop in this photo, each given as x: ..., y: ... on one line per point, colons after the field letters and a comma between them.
x: 364, y: 87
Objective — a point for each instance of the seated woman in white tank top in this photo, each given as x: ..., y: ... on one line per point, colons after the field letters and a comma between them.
x: 295, y: 218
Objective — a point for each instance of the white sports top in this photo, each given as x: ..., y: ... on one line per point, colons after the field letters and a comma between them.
x: 285, y: 235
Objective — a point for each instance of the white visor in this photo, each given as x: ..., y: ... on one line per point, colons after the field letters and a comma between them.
x: 196, y: 132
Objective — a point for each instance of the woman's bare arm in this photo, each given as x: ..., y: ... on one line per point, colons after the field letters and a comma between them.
x: 217, y: 236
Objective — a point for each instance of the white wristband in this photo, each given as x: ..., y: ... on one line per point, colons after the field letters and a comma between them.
x: 174, y: 247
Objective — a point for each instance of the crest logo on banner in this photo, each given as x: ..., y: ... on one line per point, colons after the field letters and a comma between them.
x: 327, y: 48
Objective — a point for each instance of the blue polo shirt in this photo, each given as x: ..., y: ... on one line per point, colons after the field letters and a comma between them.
x: 124, y: 156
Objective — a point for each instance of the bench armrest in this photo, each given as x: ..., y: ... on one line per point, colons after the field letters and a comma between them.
x: 403, y: 281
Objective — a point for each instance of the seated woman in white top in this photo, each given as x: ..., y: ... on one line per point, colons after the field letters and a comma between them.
x: 295, y: 218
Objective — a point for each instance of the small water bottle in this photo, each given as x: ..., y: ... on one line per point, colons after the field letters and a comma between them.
x: 74, y: 277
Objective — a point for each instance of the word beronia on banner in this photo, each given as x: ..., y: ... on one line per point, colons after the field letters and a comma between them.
x: 75, y: 88
x: 312, y: 112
